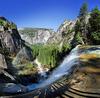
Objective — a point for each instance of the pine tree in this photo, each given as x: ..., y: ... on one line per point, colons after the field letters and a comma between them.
x: 77, y: 26
x: 94, y: 22
x: 81, y: 24
x: 82, y: 18
x: 83, y: 11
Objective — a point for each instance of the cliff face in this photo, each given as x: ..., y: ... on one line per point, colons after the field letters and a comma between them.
x: 9, y: 36
x: 36, y: 35
x: 44, y: 36
x: 10, y: 40
x: 10, y: 45
x: 65, y: 32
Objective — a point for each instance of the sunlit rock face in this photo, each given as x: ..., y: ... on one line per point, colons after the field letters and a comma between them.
x: 67, y: 25
x: 10, y: 41
x: 11, y: 46
x: 36, y: 35
x: 23, y: 61
x: 64, y: 34
x: 86, y: 78
x: 23, y: 55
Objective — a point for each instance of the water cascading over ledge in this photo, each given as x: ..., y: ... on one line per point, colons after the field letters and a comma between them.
x: 84, y: 82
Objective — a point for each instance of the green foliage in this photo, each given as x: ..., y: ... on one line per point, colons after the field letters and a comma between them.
x: 28, y: 31
x: 50, y: 55
x: 81, y: 24
x: 36, y: 48
x: 89, y: 32
x: 6, y: 24
x: 45, y: 53
x: 66, y: 47
x: 94, y: 22
x: 29, y: 66
x: 27, y: 69
x: 96, y: 37
x: 1, y: 22
x: 78, y: 38
x: 77, y: 26
x: 13, y: 26
x: 83, y: 11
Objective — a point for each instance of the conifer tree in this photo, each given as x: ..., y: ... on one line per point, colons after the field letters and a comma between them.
x: 81, y: 24
x: 94, y: 22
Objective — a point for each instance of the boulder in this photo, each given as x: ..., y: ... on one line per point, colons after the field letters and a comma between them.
x: 22, y: 61
x: 24, y: 55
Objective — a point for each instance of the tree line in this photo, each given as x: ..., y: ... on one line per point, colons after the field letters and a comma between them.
x: 88, y: 25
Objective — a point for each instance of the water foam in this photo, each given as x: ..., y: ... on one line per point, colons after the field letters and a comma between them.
x: 63, y: 69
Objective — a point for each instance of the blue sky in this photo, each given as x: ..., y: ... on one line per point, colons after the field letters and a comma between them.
x: 42, y: 13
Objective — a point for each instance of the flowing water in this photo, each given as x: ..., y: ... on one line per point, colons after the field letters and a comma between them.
x: 63, y: 69
x: 40, y: 68
x: 69, y: 62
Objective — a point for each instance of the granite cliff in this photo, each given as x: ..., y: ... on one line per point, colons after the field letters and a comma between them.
x: 10, y: 45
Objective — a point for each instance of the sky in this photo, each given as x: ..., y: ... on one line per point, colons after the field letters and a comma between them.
x: 42, y: 13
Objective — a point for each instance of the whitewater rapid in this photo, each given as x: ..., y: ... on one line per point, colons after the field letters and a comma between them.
x: 40, y: 68
x: 64, y: 69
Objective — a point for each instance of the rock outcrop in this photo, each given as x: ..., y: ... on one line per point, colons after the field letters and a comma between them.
x: 64, y: 34
x: 36, y: 35
x: 11, y: 47
x: 23, y: 55
x: 45, y: 36
x: 10, y: 39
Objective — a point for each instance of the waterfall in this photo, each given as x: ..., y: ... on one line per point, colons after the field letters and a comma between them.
x: 63, y: 69
x: 40, y: 68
